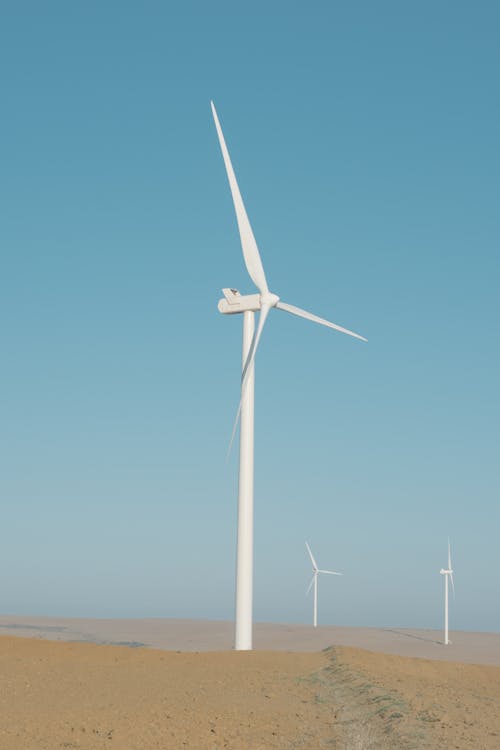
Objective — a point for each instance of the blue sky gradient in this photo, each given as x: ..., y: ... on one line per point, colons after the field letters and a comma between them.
x: 365, y: 138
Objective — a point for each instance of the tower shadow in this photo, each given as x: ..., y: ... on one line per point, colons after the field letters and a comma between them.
x: 412, y: 635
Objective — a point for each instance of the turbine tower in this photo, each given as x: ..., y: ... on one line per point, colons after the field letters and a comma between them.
x: 314, y: 581
x: 232, y: 303
x: 448, y: 574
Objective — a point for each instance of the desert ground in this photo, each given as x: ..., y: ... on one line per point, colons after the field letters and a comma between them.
x: 63, y: 687
x: 217, y: 635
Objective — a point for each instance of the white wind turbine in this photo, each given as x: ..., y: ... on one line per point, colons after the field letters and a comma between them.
x: 233, y: 302
x: 448, y: 574
x: 314, y: 582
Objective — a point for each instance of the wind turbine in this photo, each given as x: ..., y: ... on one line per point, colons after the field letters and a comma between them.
x: 448, y: 574
x: 314, y: 581
x: 262, y: 302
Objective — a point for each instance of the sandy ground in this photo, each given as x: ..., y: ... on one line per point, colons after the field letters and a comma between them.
x: 212, y: 635
x: 85, y: 696
x: 428, y: 703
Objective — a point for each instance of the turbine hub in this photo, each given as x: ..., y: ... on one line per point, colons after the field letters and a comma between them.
x: 268, y: 298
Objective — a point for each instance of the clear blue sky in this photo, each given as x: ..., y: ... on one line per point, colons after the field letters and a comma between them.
x: 365, y: 137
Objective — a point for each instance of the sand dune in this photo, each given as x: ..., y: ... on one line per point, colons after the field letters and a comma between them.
x: 85, y: 696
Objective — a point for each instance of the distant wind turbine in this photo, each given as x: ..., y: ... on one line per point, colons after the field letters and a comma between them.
x: 448, y: 574
x: 232, y: 303
x: 314, y: 582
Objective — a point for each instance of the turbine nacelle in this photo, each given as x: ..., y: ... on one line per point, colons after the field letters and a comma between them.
x: 234, y: 302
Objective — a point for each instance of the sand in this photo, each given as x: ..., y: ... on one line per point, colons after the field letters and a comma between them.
x: 61, y: 695
x: 217, y: 635
x: 85, y: 696
x: 435, y: 704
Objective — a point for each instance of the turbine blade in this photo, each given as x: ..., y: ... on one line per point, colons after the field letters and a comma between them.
x: 264, y: 311
x: 309, y: 316
x: 452, y: 584
x: 331, y: 572
x: 249, y: 246
x: 312, y: 558
x: 310, y: 585
x: 449, y: 556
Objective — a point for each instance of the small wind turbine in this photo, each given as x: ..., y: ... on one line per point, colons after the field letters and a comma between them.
x: 314, y: 582
x: 447, y: 574
x: 232, y: 303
